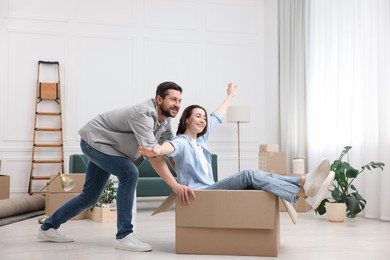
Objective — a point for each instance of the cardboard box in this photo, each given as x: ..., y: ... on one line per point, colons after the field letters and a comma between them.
x: 273, y: 162
x: 227, y: 222
x: 56, y: 200
x: 103, y: 215
x: 269, y: 148
x: 4, y: 186
x: 56, y: 186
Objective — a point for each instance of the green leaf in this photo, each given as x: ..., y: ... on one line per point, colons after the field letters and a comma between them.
x: 345, y: 151
x: 321, y: 210
x: 373, y: 165
x: 351, y: 172
x: 355, y: 204
x: 337, y: 195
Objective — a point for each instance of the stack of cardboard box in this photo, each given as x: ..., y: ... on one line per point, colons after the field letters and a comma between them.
x: 273, y: 161
x: 56, y: 196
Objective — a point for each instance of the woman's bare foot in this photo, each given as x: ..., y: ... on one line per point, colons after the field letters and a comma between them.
x: 302, y: 181
x: 302, y: 194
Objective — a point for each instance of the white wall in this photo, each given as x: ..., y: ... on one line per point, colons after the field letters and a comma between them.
x: 115, y: 53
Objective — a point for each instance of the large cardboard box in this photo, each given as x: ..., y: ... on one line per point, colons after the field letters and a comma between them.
x: 56, y: 200
x: 226, y: 222
x: 4, y: 187
x: 273, y: 162
x: 56, y: 185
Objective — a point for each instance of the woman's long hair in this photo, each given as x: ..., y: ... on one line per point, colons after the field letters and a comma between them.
x: 186, y: 114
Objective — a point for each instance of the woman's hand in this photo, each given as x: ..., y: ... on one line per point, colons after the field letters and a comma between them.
x: 231, y: 91
x: 148, y: 152
x: 184, y: 193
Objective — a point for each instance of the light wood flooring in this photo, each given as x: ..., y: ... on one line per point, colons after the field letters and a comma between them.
x: 312, y: 238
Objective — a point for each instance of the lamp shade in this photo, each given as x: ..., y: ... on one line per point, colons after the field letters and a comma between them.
x: 238, y: 114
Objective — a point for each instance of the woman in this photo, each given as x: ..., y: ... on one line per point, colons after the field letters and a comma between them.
x: 193, y: 161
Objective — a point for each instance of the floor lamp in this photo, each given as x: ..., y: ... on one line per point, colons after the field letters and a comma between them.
x: 238, y: 114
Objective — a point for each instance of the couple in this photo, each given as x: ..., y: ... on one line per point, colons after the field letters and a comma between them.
x: 110, y: 142
x: 192, y: 161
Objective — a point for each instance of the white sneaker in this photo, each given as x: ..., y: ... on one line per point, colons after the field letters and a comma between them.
x: 315, y: 201
x: 315, y: 178
x: 131, y: 243
x: 53, y: 235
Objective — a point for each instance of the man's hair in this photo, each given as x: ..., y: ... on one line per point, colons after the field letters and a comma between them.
x: 186, y: 114
x: 162, y: 88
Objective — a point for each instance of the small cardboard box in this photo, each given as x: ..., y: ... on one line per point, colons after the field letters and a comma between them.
x: 56, y: 200
x: 103, y: 215
x: 56, y: 185
x: 273, y: 162
x: 227, y: 222
x: 4, y: 187
x: 269, y: 148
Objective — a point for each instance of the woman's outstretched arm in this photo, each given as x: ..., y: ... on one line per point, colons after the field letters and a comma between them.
x: 231, y: 91
x: 165, y: 149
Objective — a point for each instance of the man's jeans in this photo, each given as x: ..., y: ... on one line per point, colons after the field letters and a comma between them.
x: 285, y: 187
x: 99, y: 168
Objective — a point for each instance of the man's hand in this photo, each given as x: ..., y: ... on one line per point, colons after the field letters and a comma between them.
x: 148, y: 152
x: 184, y: 193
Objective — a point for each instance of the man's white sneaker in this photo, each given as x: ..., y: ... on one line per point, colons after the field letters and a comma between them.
x: 315, y: 201
x: 131, y: 243
x: 315, y: 178
x: 53, y: 235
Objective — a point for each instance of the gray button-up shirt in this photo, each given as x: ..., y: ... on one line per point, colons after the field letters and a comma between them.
x: 121, y: 131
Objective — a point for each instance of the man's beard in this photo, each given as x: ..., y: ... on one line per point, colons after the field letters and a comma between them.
x: 167, y: 112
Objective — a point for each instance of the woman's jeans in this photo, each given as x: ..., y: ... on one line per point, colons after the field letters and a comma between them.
x: 285, y: 187
x: 99, y: 168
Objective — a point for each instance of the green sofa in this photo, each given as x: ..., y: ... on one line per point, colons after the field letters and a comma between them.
x: 150, y: 184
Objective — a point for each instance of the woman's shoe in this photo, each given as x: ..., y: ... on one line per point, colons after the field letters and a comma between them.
x: 315, y: 201
x: 316, y: 178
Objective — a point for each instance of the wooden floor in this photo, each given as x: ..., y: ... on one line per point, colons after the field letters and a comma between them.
x: 312, y: 238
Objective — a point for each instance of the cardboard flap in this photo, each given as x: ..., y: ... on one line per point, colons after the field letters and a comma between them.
x: 229, y: 209
x: 291, y: 211
x: 166, y: 205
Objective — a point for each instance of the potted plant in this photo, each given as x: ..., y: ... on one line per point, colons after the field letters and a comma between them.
x: 108, y: 195
x: 343, y: 191
x: 105, y: 209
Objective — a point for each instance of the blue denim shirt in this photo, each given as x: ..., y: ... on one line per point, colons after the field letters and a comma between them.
x: 187, y: 164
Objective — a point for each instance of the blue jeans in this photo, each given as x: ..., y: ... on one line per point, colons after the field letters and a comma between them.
x: 99, y: 168
x: 286, y: 187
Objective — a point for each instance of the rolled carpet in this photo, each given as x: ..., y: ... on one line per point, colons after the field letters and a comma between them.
x: 20, y: 205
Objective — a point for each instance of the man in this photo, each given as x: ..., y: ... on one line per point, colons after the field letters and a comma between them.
x: 110, y: 141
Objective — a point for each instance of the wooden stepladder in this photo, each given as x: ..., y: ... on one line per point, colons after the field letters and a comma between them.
x: 48, y: 148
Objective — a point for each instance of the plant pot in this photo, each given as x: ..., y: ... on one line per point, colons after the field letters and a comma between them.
x: 336, y: 211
